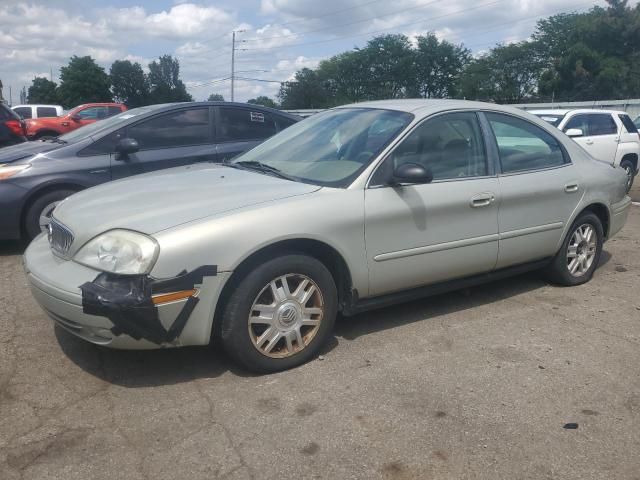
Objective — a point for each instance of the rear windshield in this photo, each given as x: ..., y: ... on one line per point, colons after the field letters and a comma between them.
x: 628, y: 124
x: 553, y: 119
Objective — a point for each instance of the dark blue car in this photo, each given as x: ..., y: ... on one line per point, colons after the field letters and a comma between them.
x: 36, y: 176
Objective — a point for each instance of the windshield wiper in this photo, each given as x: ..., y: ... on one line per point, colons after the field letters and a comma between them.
x: 55, y: 140
x: 261, y: 167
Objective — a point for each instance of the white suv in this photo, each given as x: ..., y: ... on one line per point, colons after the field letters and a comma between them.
x: 38, y: 111
x: 608, y: 135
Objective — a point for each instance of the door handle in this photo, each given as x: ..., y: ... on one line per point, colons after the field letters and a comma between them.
x: 571, y: 187
x: 589, y: 141
x: 482, y: 200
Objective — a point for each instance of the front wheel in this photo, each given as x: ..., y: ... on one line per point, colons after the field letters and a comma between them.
x: 631, y: 173
x: 38, y: 215
x: 280, y: 314
x: 579, y: 255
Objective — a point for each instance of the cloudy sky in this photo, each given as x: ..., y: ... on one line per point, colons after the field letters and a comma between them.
x: 276, y: 37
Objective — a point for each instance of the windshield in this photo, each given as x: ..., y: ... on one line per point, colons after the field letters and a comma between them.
x: 95, y: 127
x: 553, y: 119
x: 330, y: 148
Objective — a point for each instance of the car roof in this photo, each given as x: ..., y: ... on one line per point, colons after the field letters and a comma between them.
x: 170, y: 106
x: 422, y: 107
x: 37, y: 105
x: 561, y: 111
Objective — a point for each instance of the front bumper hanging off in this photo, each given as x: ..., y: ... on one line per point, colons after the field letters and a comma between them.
x: 128, y: 302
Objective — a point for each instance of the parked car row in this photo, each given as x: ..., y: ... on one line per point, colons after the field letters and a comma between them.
x: 36, y: 176
x: 354, y: 208
x: 608, y: 135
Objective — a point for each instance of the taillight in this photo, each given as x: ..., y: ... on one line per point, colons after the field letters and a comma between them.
x: 16, y: 127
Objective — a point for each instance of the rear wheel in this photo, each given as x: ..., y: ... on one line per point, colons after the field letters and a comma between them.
x: 39, y: 213
x: 580, y: 253
x: 630, y: 171
x: 280, y: 314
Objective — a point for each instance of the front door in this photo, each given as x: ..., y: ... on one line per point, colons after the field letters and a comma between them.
x: 539, y: 186
x: 172, y: 139
x: 422, y: 234
x: 600, y: 137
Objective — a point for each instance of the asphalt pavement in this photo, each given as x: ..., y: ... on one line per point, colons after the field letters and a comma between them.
x: 475, y: 384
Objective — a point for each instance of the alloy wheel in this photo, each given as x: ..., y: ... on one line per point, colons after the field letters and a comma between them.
x: 629, y: 171
x: 582, y: 250
x: 286, y: 315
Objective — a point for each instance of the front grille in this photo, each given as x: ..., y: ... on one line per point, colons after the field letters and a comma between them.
x: 60, y: 237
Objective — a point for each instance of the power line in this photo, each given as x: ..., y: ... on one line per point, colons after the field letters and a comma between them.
x: 376, y: 17
x: 457, y: 12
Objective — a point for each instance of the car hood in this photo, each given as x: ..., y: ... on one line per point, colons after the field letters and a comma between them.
x: 26, y: 150
x: 153, y: 202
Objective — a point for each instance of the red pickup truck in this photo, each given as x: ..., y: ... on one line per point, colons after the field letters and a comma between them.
x: 76, y: 118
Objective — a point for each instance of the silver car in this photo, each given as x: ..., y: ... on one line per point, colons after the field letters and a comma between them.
x: 351, y: 209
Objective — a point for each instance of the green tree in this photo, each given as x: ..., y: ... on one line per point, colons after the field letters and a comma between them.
x: 129, y: 84
x: 42, y: 90
x: 264, y: 101
x: 305, y: 91
x: 438, y: 65
x: 83, y: 81
x: 165, y: 83
x: 215, y: 97
x: 507, y: 74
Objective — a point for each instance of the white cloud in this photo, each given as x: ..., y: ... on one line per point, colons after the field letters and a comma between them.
x: 36, y: 35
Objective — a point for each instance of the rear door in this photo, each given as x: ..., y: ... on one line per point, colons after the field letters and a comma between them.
x: 170, y: 139
x: 539, y: 189
x: 239, y: 129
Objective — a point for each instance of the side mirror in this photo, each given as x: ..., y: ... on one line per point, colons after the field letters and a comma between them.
x: 574, y: 132
x: 126, y: 146
x: 412, y: 173
x: 76, y: 118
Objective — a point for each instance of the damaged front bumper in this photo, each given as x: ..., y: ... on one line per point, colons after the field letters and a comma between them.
x: 134, y: 312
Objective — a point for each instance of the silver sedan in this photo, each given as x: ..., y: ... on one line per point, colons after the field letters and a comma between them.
x: 351, y: 209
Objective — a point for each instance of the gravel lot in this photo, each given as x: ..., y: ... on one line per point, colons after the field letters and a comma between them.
x: 475, y: 384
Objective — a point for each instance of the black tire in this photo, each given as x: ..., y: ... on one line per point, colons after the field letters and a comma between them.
x: 558, y: 271
x: 628, y: 166
x: 235, y: 321
x: 32, y: 215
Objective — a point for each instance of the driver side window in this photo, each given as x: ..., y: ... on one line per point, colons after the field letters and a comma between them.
x: 450, y: 146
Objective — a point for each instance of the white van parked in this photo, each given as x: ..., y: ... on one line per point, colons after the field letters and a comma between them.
x: 38, y: 111
x: 608, y: 135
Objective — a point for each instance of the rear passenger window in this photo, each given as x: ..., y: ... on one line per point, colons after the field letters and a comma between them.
x: 46, y: 112
x: 449, y: 145
x: 175, y: 129
x: 239, y: 124
x: 628, y: 124
x: 602, y: 124
x: 523, y: 146
x: 24, y: 112
x: 113, y: 111
x: 284, y: 122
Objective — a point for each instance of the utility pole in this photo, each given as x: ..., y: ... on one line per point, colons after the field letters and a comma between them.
x: 233, y: 61
x: 233, y: 58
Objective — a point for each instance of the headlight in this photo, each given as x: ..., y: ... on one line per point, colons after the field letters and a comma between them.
x: 7, y: 171
x: 120, y: 251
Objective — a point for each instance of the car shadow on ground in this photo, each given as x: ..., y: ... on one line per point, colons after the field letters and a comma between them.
x: 145, y: 368
x: 12, y: 247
